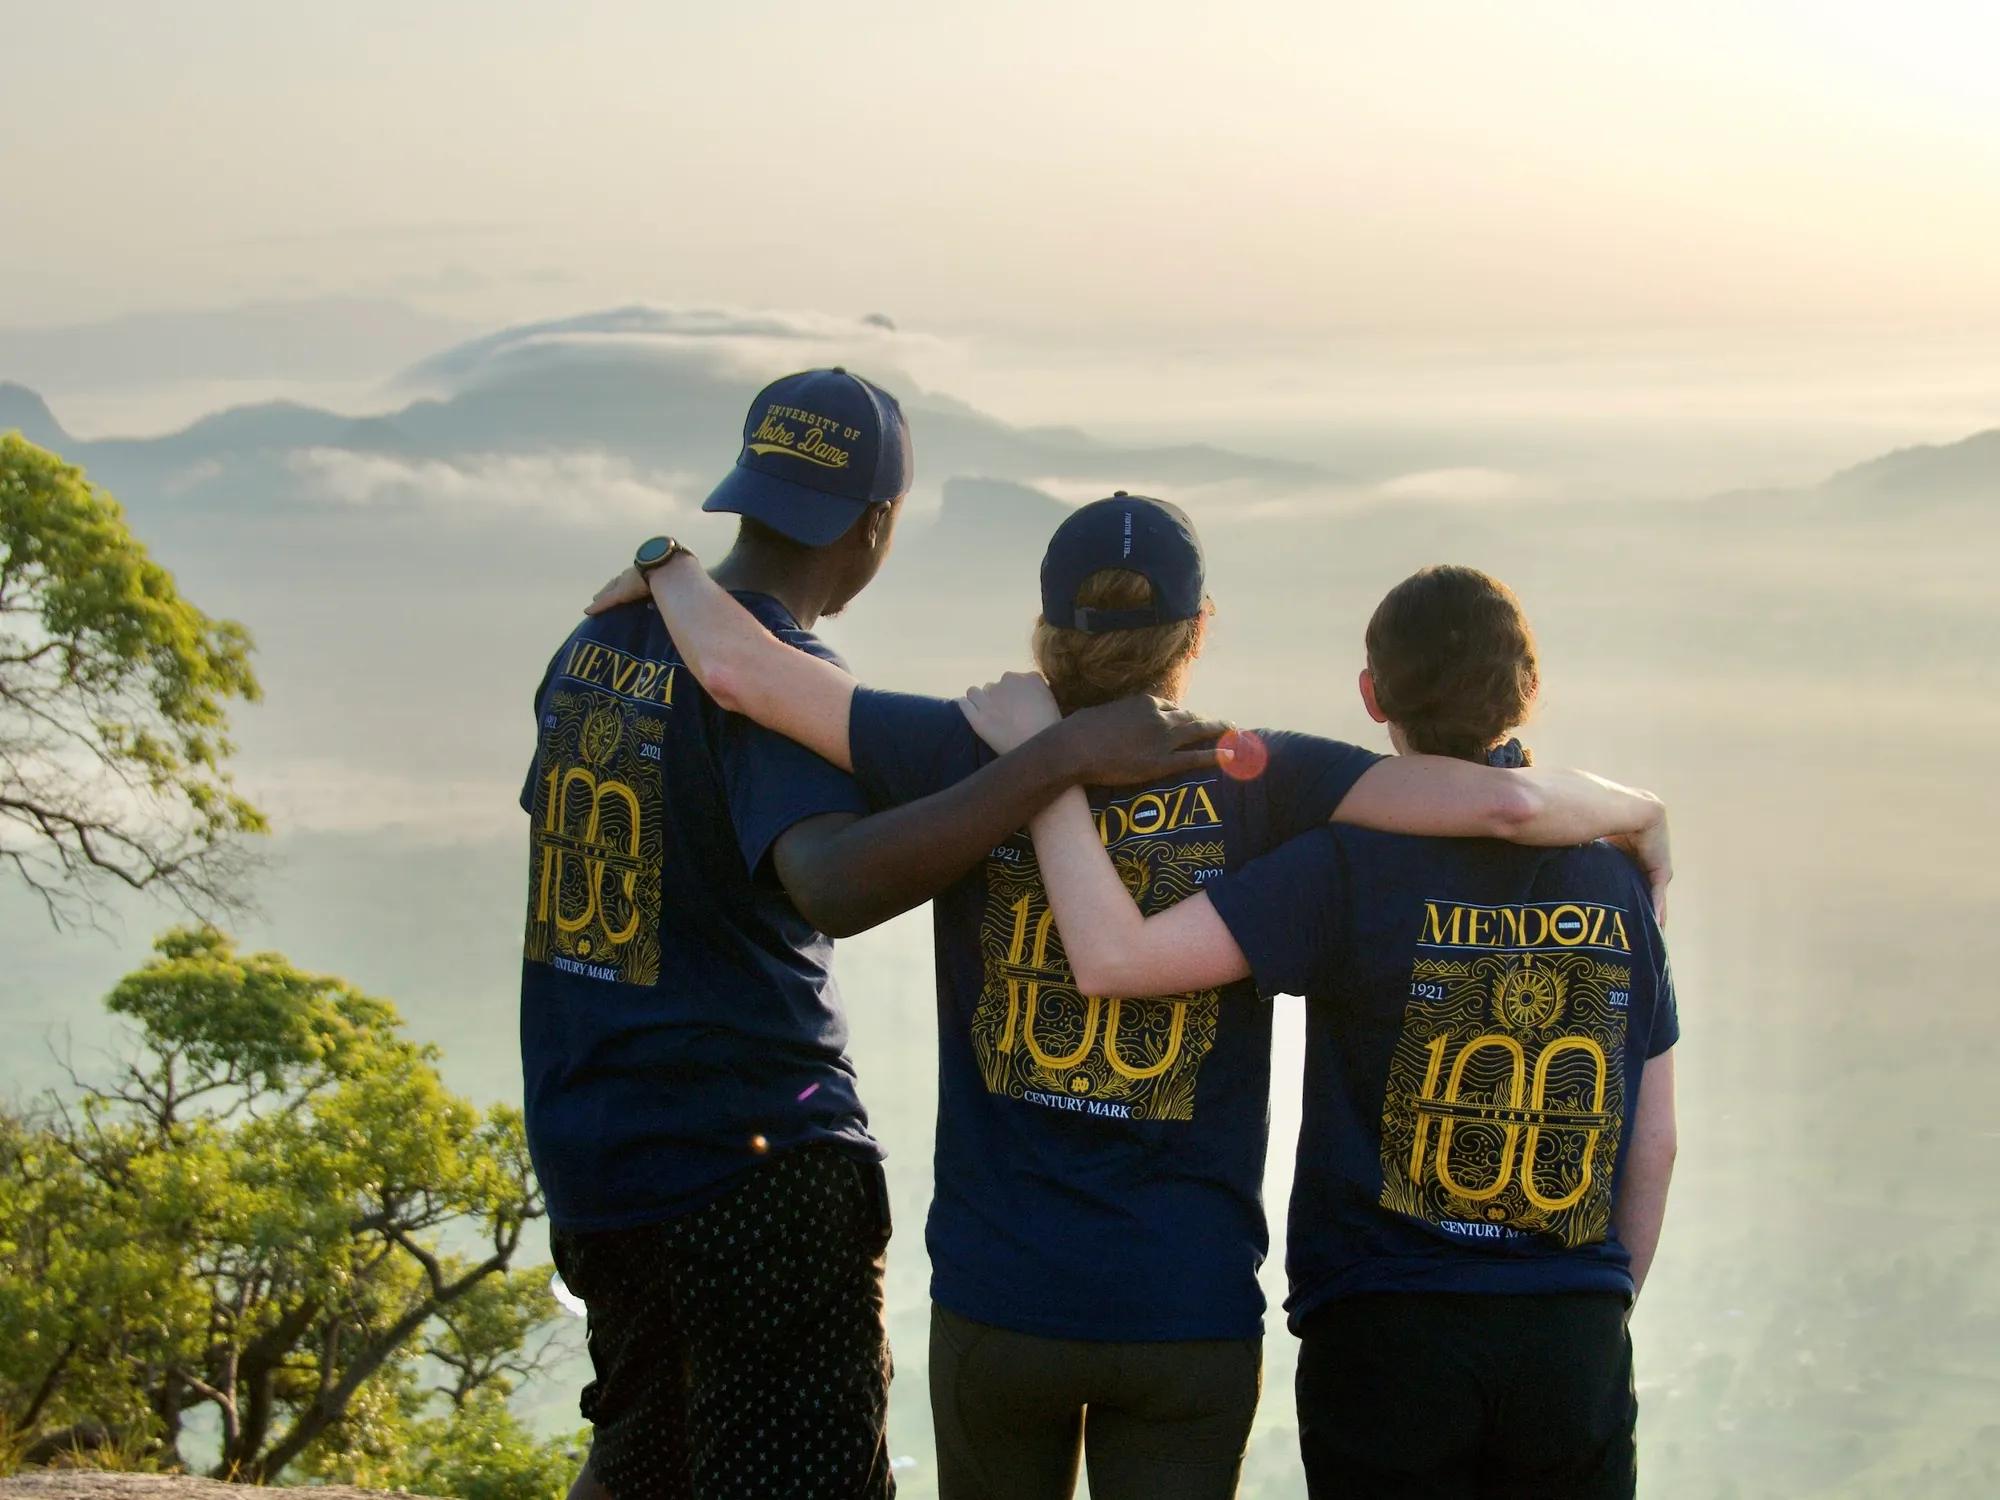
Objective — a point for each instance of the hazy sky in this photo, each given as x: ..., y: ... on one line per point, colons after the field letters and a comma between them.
x: 1275, y: 170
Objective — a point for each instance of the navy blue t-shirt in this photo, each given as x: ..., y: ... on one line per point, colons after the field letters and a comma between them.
x: 1479, y: 1015
x: 1100, y: 1163
x: 678, y: 1021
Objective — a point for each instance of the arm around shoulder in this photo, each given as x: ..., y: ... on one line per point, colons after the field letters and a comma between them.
x: 749, y: 671
x: 1438, y: 796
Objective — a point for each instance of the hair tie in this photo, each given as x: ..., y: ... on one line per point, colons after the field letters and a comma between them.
x: 1508, y: 757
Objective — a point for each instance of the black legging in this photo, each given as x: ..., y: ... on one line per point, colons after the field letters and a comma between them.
x: 1154, y: 1421
x: 1432, y: 1396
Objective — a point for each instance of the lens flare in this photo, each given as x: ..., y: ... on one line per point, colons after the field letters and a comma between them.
x: 1247, y: 757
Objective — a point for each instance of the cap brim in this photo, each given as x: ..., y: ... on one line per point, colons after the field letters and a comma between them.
x: 806, y: 515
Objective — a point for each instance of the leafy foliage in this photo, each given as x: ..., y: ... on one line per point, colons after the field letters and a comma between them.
x: 478, y: 1451
x: 114, y: 696
x: 277, y: 1212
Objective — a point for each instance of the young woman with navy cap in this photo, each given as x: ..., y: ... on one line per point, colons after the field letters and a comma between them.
x: 1488, y: 1128
x: 1097, y: 1225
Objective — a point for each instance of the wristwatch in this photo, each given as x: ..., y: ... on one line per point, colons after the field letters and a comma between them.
x: 656, y: 552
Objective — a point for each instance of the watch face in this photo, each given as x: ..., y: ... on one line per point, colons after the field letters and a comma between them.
x: 654, y: 549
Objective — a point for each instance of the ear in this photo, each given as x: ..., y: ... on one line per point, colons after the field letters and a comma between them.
x: 1368, y: 697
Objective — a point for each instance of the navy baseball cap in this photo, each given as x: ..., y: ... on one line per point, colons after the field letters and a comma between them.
x: 819, y: 448
x: 1148, y: 537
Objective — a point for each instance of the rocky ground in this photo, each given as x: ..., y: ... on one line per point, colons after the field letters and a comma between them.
x: 75, y: 1484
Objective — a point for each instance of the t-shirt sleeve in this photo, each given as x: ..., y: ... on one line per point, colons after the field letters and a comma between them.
x: 1307, y: 778
x: 906, y: 746
x: 1654, y: 1014
x: 774, y: 783
x: 1666, y: 1012
x: 535, y: 759
x: 1651, y: 950
x: 1288, y: 912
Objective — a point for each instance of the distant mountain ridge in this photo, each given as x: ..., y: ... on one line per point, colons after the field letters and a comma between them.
x: 663, y: 391
x: 25, y: 412
x: 1965, y: 472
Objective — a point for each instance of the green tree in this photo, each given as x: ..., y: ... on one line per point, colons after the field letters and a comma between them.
x: 278, y: 1212
x: 114, y: 696
x: 482, y: 1452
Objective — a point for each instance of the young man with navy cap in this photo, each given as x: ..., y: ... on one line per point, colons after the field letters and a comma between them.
x: 1097, y: 1222
x: 715, y: 1196
x: 819, y: 449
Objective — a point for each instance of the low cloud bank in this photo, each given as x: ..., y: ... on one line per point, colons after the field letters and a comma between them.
x: 568, y: 484
x: 741, y: 342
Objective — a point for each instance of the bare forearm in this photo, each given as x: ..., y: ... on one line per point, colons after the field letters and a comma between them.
x: 1439, y: 796
x: 1574, y: 807
x: 1648, y: 1167
x: 1084, y: 890
x: 749, y: 671
x: 1642, y: 1211
x: 719, y: 639
x: 879, y: 866
x: 1115, y: 949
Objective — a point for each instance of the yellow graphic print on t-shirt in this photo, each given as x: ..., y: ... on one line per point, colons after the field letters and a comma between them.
x: 598, y: 840
x: 1506, y: 1092
x: 1036, y: 1036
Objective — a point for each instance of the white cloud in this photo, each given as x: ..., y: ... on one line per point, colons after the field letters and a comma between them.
x: 1455, y: 486
x: 1260, y: 499
x: 739, y: 341
x: 1220, y: 497
x: 192, y: 477
x: 578, y: 484
x: 1427, y: 487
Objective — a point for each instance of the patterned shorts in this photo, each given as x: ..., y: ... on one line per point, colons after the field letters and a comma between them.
x: 739, y: 1350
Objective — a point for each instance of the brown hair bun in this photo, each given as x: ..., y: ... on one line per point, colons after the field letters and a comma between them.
x: 1453, y: 660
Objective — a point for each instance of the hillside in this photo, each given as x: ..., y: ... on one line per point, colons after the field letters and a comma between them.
x: 25, y: 412
x: 658, y: 394
x: 1965, y: 472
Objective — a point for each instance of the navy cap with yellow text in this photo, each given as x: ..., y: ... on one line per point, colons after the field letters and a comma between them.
x: 819, y: 448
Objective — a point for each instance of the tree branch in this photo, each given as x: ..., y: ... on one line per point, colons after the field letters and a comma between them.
x: 32, y: 1413
x: 323, y: 1412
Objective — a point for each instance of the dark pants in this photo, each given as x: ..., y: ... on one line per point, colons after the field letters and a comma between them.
x: 1501, y: 1398
x: 1153, y: 1421
x: 739, y: 1350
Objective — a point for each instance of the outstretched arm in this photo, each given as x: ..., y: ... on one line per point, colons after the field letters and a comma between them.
x: 1115, y: 949
x: 740, y: 664
x: 847, y: 874
x: 1437, y: 795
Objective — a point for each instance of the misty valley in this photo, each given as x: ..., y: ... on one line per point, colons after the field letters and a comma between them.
x: 1807, y: 675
